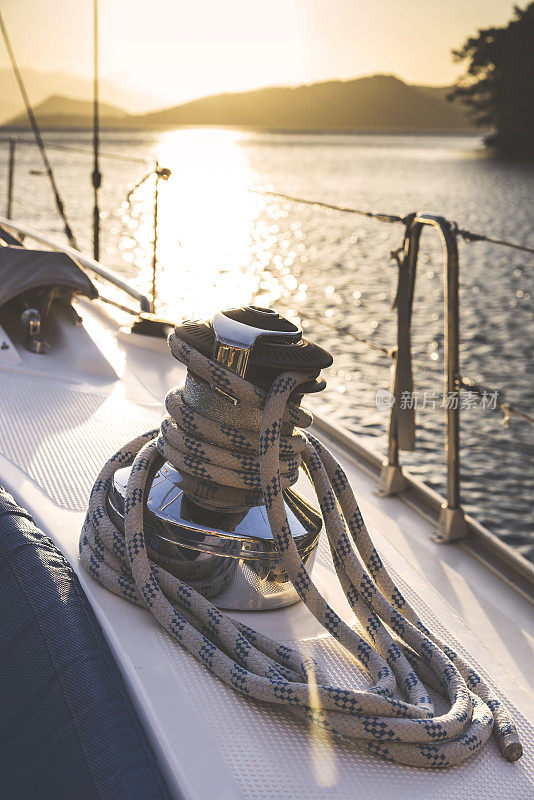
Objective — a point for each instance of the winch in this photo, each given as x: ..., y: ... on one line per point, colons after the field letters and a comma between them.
x: 208, y: 516
x: 227, y: 541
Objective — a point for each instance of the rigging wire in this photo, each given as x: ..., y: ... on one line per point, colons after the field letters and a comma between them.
x: 37, y: 133
x: 138, y: 186
x: 87, y: 151
x: 331, y: 206
x: 507, y: 408
x: 96, y: 175
x: 468, y: 236
x: 390, y: 352
x: 345, y: 330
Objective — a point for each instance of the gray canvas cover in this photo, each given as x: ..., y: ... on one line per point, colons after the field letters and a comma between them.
x: 22, y: 269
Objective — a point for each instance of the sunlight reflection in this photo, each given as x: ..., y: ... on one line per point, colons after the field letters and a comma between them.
x: 323, y: 758
x: 211, y: 252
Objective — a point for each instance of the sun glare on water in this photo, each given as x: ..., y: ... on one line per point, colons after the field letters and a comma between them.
x: 210, y: 251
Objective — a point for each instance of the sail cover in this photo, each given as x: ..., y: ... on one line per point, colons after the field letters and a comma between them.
x: 22, y: 269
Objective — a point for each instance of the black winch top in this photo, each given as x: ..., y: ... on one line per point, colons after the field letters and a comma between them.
x: 269, y: 356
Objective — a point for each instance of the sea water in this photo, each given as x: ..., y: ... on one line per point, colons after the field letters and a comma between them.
x: 219, y: 244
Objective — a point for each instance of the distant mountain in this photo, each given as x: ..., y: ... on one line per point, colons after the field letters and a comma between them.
x: 379, y: 102
x: 66, y: 112
x: 41, y: 85
x: 376, y: 103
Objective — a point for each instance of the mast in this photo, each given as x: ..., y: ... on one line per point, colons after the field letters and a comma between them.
x: 96, y: 174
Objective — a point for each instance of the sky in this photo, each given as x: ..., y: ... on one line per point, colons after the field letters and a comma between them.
x: 175, y: 50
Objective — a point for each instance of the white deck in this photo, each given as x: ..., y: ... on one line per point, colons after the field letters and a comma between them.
x: 64, y: 414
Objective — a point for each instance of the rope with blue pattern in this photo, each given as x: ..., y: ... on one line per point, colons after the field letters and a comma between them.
x: 394, y: 717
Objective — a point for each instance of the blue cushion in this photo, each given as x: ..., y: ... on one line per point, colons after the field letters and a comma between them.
x: 68, y: 729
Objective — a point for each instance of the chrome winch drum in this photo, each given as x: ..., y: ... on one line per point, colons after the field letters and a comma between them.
x: 237, y: 548
x: 231, y: 550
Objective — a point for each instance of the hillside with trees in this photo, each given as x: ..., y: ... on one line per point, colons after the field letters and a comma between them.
x: 497, y: 88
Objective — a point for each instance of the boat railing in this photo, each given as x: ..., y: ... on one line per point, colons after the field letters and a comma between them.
x: 451, y: 523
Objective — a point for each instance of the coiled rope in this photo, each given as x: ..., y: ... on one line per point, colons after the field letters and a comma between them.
x: 397, y: 651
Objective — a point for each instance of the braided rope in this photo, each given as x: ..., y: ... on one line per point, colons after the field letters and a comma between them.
x: 397, y: 651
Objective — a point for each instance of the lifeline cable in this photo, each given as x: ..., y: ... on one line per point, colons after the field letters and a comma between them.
x: 398, y: 651
x: 507, y: 408
x: 85, y: 151
x: 468, y: 236
x: 391, y: 352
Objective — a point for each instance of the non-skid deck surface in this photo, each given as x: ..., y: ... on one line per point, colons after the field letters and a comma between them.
x: 57, y: 430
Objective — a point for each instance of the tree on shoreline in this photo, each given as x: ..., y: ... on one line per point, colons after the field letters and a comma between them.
x: 498, y: 85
